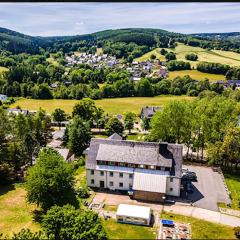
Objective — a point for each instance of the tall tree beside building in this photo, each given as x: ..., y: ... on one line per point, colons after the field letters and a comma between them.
x: 129, y: 119
x: 114, y: 126
x: 51, y: 181
x: 59, y: 116
x: 79, y: 135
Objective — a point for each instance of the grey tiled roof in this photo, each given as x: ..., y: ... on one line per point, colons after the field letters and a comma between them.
x: 149, y: 111
x: 133, y: 152
x: 115, y: 136
x: 148, y: 153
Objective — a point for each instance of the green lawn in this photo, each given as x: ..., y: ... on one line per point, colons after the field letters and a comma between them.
x: 202, y: 229
x: 15, y: 213
x: 233, y: 183
x: 112, y: 106
x: 146, y: 56
x: 196, y: 75
x: 216, y: 56
x: 117, y: 230
x: 136, y: 137
x: 3, y: 69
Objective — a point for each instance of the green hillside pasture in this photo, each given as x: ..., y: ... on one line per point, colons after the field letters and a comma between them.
x: 112, y: 106
x: 216, y: 56
x: 196, y: 75
x: 146, y: 56
x: 3, y: 69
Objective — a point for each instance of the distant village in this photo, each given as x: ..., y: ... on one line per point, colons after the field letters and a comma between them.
x: 150, y: 68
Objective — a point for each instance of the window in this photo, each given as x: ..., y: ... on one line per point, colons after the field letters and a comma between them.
x: 121, y: 164
x: 163, y: 168
x: 152, y: 167
x: 92, y: 172
x: 111, y: 174
x: 121, y: 175
x: 171, y: 179
x: 120, y: 184
x: 102, y: 173
x: 92, y: 181
x: 171, y: 189
x: 131, y: 175
x: 111, y: 184
x: 131, y: 165
x: 141, y: 166
x: 130, y: 186
x: 112, y: 163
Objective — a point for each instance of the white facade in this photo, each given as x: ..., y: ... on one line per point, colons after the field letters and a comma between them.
x: 3, y: 97
x: 113, y: 180
x: 133, y: 214
x: 122, y: 179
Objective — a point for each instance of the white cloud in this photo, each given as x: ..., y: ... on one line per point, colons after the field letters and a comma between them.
x: 76, y: 18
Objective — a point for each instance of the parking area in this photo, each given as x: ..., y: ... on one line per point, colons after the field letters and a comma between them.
x: 209, y: 189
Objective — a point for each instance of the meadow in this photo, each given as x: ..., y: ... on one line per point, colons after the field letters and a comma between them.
x: 16, y: 213
x: 147, y: 55
x: 216, y: 56
x: 111, y: 106
x: 3, y: 69
x: 197, y: 75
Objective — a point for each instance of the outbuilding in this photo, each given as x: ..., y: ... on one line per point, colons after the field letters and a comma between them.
x: 133, y: 214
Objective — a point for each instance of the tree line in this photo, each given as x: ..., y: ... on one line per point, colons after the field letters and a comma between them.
x: 208, y: 126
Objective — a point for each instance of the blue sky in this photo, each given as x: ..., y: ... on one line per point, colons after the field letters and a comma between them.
x: 51, y: 19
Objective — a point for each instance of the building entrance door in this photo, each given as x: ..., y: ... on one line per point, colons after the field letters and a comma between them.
x: 102, y: 184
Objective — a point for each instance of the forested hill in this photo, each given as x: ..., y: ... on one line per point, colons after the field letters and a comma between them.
x: 16, y: 42
x: 219, y: 36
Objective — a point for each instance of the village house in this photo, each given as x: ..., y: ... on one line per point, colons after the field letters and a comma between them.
x: 232, y: 83
x: 17, y: 111
x: 149, y: 111
x: 147, y: 170
x: 3, y: 97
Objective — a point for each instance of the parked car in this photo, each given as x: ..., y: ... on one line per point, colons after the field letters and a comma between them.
x: 189, y: 187
x: 191, y: 176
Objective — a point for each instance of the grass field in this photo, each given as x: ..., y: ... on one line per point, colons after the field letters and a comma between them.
x: 3, y: 69
x: 203, y: 229
x: 196, y: 75
x: 146, y: 56
x: 127, y: 231
x: 15, y: 213
x: 233, y: 184
x: 216, y: 56
x: 99, y: 51
x: 52, y: 61
x: 112, y: 106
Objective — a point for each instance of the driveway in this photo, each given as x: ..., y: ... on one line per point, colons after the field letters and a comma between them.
x: 116, y: 199
x: 209, y: 190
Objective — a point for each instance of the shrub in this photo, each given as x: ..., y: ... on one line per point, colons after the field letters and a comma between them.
x: 237, y: 232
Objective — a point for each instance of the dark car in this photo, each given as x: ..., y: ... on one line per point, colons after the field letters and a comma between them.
x: 191, y: 176
x: 189, y: 187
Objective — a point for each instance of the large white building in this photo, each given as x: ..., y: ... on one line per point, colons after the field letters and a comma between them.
x: 150, y: 170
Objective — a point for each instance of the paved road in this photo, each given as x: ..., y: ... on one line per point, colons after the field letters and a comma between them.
x: 209, y: 190
x: 204, y: 214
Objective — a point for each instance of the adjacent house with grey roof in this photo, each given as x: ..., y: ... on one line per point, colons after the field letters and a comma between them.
x: 3, y: 97
x: 147, y: 170
x: 149, y: 111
